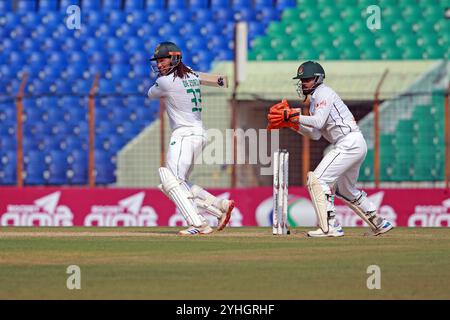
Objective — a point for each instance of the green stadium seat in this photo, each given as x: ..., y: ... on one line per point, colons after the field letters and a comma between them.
x: 412, y: 53
x: 406, y: 41
x: 350, y: 14
x: 433, y: 12
x: 402, y: 28
x: 366, y: 41
x: 321, y: 42
x: 339, y: 28
x: 309, y: 53
x: 288, y: 54
x: 428, y: 40
x: 297, y: 29
x: 344, y: 40
x: 350, y: 54
x: 386, y: 41
x: 261, y: 42
x: 266, y: 54
x: 301, y: 41
x: 370, y: 54
x: 401, y: 171
x: 405, y: 125
x: 281, y: 41
x: 434, y: 52
x: 329, y: 53
x: 422, y: 111
x: 276, y: 28
x: 411, y: 13
x: 392, y: 53
x: 291, y: 15
x: 317, y: 28
x: 423, y: 27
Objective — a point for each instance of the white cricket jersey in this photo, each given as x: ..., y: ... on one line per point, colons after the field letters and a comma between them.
x: 329, y: 114
x: 183, y: 99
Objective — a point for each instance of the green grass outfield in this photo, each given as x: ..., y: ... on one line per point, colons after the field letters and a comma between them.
x: 237, y: 263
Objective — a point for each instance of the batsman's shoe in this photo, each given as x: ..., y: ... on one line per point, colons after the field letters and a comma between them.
x: 192, y: 231
x: 385, y: 227
x: 227, y: 208
x: 335, y: 230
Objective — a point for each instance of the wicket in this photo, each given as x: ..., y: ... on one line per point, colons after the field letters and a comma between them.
x: 280, y: 192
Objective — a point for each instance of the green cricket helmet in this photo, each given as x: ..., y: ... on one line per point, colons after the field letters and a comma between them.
x: 309, y: 70
x: 167, y: 50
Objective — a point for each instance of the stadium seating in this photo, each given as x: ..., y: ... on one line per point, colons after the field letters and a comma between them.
x: 117, y: 38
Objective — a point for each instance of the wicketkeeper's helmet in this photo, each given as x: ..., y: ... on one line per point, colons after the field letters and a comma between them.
x: 308, y: 70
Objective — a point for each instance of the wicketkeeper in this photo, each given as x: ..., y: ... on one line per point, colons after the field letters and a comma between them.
x: 338, y: 171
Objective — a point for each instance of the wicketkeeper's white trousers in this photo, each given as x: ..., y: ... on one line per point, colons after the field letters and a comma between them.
x: 339, y: 169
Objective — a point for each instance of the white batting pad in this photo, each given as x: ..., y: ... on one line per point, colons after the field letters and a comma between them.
x: 319, y: 200
x: 178, y: 195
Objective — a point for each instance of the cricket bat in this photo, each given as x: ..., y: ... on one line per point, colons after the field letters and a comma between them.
x: 213, y: 80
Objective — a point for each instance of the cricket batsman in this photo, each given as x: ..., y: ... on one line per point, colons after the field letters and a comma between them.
x: 337, y: 173
x: 180, y: 87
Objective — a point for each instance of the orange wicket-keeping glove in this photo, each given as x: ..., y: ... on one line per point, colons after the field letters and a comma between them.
x: 281, y: 115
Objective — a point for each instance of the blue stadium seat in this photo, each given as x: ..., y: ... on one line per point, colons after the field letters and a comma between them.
x: 7, y: 112
x: 201, y: 16
x: 190, y: 29
x: 104, y: 168
x: 5, y: 6
x: 267, y: 15
x: 74, y: 72
x: 135, y: 101
x: 131, y: 5
x: 135, y: 44
x: 121, y: 114
x: 198, y: 4
x: 81, y: 87
x: 30, y: 20
x: 111, y: 5
x: 8, y: 143
x: 116, y: 18
x: 127, y: 30
x: 223, y: 14
x: 23, y: 6
x: 245, y: 14
x: 283, y: 4
x: 33, y: 156
x: 176, y: 4
x: 141, y: 70
x: 78, y: 174
x: 158, y: 17
x: 51, y: 19
x: 61, y: 128
x: 105, y: 127
x: 8, y: 174
x: 241, y: 4
x: 154, y: 4
x: 220, y: 4
x: 91, y: 5
x: 76, y: 144
x: 33, y: 114
x: 115, y: 143
x: 34, y: 174
x: 8, y: 157
x: 258, y: 4
x: 48, y: 5
x: 64, y: 4
x: 129, y: 85
x: 106, y: 87
x: 47, y: 102
x: 53, y: 115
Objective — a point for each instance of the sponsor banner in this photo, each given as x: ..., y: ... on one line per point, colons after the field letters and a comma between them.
x: 42, y: 206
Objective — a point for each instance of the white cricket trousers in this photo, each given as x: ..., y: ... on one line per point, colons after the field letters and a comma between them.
x: 186, y: 143
x: 339, y: 169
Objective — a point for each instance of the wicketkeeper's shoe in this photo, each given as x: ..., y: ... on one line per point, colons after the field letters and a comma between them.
x: 192, y: 231
x: 385, y: 227
x: 227, y: 208
x: 334, y: 230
